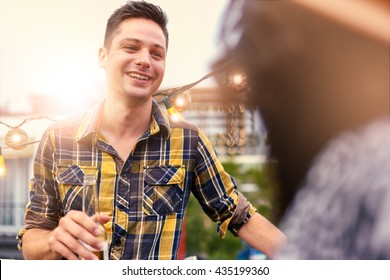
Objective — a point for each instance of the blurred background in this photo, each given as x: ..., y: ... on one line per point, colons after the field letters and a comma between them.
x: 48, y: 59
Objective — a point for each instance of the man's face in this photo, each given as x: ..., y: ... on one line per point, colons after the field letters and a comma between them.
x: 134, y: 60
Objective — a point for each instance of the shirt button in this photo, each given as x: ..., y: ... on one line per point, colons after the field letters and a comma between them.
x: 165, y: 180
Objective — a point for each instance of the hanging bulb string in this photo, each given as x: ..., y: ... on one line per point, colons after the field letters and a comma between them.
x: 16, y: 138
x: 172, y: 92
x: 27, y: 120
x: 168, y: 95
x: 15, y: 147
x: 172, y: 112
x: 7, y: 125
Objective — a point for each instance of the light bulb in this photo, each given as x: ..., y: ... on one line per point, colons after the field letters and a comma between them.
x: 237, y: 79
x: 182, y: 101
x: 175, y: 117
x: 179, y: 101
x: 16, y: 138
x: 2, y: 165
x: 172, y: 112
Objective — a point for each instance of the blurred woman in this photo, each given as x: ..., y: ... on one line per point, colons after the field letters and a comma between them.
x: 318, y: 72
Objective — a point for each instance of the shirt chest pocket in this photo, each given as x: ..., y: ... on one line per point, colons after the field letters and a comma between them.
x: 70, y: 182
x: 163, y: 190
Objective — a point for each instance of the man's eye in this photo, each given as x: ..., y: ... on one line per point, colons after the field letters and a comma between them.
x: 130, y: 47
x: 157, y: 54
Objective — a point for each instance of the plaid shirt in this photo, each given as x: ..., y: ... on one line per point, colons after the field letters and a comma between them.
x: 146, y: 196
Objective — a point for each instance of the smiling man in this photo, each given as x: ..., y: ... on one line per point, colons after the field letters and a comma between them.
x: 146, y: 166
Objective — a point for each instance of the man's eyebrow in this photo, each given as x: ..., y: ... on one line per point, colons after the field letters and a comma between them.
x: 134, y: 40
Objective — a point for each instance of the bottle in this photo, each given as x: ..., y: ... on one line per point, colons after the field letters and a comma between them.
x: 91, y: 207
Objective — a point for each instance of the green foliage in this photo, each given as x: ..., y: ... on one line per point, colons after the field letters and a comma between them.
x: 202, y: 238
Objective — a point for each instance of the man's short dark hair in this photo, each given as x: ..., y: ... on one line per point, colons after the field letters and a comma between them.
x: 136, y: 9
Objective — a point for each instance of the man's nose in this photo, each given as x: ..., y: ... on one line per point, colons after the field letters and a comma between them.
x: 143, y: 58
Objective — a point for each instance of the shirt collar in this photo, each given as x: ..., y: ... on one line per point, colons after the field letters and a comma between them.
x: 88, y: 128
x: 90, y: 123
x: 160, y: 121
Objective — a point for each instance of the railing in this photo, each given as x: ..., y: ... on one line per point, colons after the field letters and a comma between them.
x: 11, y: 217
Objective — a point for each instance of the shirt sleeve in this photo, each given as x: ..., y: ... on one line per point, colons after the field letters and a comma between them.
x: 43, y: 209
x: 216, y: 191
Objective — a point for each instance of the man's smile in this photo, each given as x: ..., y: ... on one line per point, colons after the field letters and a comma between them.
x: 138, y: 76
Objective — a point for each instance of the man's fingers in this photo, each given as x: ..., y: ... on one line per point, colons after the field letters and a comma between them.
x: 72, y: 230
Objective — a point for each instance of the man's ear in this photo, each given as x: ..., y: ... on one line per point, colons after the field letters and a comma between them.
x: 102, y: 57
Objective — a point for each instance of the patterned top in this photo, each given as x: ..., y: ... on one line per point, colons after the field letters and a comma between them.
x: 343, y: 211
x: 146, y: 196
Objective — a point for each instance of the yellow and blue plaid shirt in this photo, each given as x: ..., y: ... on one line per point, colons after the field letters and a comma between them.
x: 146, y: 196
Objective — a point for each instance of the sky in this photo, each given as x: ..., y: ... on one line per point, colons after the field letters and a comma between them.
x: 49, y: 47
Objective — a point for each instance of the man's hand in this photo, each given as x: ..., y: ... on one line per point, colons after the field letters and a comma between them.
x: 64, y: 241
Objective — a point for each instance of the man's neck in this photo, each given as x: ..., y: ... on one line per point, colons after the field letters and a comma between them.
x: 123, y: 125
x: 121, y: 119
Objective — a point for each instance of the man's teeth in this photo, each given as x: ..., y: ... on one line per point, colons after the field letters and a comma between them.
x: 138, y: 76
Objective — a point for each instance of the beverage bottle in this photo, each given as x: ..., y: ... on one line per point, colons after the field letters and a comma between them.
x: 91, y: 207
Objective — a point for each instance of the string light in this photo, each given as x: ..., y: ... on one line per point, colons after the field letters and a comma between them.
x: 172, y: 112
x: 17, y: 139
x: 236, y: 80
x: 227, y: 69
x: 2, y: 164
x: 182, y: 101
